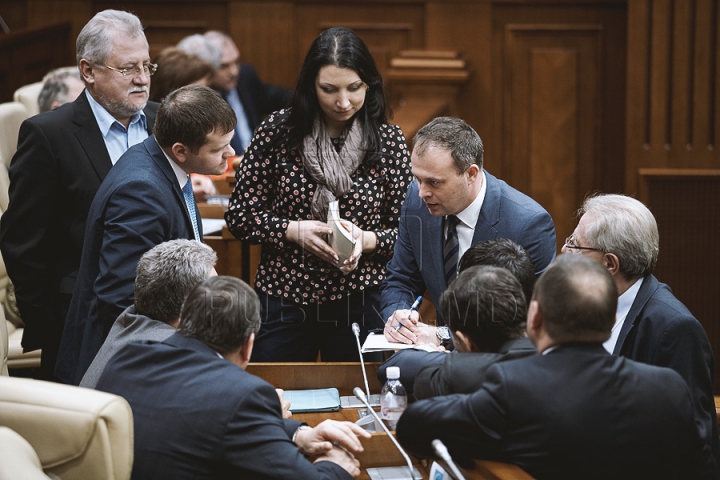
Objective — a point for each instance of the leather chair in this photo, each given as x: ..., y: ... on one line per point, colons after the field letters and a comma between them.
x: 28, y: 96
x: 18, y: 460
x: 77, y: 433
x: 3, y: 345
x: 12, y: 114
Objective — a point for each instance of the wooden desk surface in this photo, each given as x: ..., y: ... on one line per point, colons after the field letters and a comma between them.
x: 345, y: 376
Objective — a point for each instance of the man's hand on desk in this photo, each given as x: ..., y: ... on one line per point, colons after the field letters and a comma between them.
x: 285, y: 404
x: 403, y: 326
x: 202, y: 186
x: 319, y: 440
x: 343, y: 458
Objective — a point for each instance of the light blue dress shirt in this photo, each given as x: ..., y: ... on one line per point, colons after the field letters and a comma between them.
x: 118, y: 138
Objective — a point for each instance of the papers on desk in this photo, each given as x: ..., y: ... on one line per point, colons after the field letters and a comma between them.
x: 212, y: 226
x: 320, y: 400
x: 376, y: 342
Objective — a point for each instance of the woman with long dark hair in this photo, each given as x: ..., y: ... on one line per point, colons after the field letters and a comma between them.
x: 333, y: 143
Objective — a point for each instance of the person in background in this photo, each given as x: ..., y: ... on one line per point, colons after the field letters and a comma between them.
x: 428, y: 372
x: 177, y: 68
x: 652, y: 325
x: 62, y: 157
x: 203, y: 416
x: 574, y: 410
x: 165, y: 275
x: 333, y: 143
x: 60, y: 86
x: 240, y: 86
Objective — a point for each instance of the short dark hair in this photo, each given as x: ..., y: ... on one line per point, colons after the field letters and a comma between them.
x: 189, y: 114
x: 177, y: 68
x: 487, y: 304
x: 221, y: 312
x: 342, y: 48
x: 455, y: 135
x: 577, y: 299
x: 504, y: 253
x: 165, y: 275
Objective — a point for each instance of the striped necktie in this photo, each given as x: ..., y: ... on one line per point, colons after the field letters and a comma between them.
x: 451, y: 249
x: 190, y: 201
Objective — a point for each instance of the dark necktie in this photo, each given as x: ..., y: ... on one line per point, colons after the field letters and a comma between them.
x: 190, y: 201
x: 451, y: 250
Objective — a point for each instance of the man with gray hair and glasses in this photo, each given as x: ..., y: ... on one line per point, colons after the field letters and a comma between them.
x: 164, y: 277
x: 62, y: 157
x: 652, y: 326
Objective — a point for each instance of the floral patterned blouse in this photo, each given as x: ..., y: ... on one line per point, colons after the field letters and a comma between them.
x: 272, y: 188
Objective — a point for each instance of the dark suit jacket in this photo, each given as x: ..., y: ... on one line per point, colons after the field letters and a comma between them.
x: 138, y: 206
x: 465, y: 372
x: 417, y: 262
x: 660, y: 330
x: 202, y: 417
x: 58, y: 167
x: 259, y: 99
x: 576, y: 412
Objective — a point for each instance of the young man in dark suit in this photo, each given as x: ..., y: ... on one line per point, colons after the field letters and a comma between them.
x: 574, y: 411
x: 652, y: 325
x: 145, y: 200
x: 62, y: 158
x: 452, y: 204
x: 202, y: 415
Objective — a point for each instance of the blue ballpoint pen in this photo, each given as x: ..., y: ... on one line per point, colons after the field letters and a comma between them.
x: 413, y: 307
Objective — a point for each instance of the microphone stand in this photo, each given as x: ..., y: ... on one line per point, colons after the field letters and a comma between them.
x: 361, y: 396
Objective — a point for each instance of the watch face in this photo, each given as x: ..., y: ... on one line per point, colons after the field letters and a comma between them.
x: 443, y: 333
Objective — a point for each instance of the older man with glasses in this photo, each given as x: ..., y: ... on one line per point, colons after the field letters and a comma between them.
x: 62, y: 157
x: 652, y: 326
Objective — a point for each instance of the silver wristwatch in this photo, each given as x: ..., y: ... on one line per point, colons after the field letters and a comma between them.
x: 443, y: 333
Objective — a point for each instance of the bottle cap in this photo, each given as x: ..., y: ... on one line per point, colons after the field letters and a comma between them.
x: 392, y: 372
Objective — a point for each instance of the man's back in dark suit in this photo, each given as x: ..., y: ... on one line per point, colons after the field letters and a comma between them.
x: 576, y: 412
x: 62, y: 158
x: 202, y: 417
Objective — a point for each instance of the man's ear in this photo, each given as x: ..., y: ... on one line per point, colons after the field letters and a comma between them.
x: 463, y: 343
x: 534, y: 319
x: 87, y: 71
x: 612, y: 263
x: 246, y: 350
x: 472, y: 172
x: 179, y: 151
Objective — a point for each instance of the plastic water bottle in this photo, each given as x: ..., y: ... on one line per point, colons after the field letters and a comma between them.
x: 393, y: 398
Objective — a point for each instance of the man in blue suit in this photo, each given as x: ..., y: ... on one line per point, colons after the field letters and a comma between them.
x: 652, y: 325
x: 452, y: 204
x: 145, y: 200
x: 199, y: 415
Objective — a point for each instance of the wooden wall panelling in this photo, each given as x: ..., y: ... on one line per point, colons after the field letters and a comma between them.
x: 467, y: 28
x: 673, y: 86
x: 27, y: 55
x: 386, y: 28
x: 265, y: 33
x: 50, y: 12
x: 689, y: 229
x: 14, y: 13
x: 560, y: 109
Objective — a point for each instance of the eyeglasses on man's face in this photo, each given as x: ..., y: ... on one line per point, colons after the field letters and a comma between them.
x: 571, y: 245
x: 148, y: 69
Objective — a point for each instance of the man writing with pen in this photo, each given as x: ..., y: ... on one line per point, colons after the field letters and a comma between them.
x: 452, y: 203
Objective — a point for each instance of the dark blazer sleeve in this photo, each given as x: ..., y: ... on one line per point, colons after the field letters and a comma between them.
x: 257, y: 444
x: 410, y: 361
x: 466, y: 424
x: 404, y: 281
x: 258, y: 98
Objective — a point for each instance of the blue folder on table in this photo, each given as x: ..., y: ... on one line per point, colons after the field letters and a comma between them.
x: 320, y: 400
